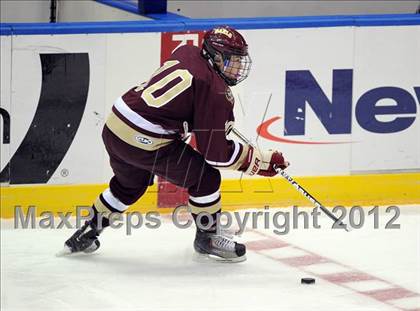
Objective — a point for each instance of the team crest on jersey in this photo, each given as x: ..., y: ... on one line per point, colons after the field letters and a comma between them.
x: 229, y: 95
x: 144, y: 140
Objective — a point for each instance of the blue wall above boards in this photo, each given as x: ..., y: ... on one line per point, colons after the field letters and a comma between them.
x: 174, y: 24
x: 152, y: 6
x: 155, y: 9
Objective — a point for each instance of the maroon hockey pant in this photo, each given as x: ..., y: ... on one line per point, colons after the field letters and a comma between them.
x: 177, y: 162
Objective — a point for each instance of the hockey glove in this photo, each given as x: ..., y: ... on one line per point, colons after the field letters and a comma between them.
x: 263, y: 163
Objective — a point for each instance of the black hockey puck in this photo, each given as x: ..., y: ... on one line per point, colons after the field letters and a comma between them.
x: 307, y: 280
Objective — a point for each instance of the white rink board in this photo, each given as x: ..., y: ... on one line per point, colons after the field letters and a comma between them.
x: 398, y: 65
x: 5, y: 82
x: 377, y: 57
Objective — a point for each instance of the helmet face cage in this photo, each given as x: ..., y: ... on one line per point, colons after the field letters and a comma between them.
x: 230, y: 58
x: 236, y: 68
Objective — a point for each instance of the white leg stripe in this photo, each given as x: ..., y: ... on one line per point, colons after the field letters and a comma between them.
x: 113, y: 201
x: 138, y: 120
x: 206, y: 199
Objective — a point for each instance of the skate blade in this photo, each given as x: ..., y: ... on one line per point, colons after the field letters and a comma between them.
x: 64, y: 252
x: 213, y: 258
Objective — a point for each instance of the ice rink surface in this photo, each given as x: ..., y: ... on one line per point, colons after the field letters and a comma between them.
x: 366, y: 269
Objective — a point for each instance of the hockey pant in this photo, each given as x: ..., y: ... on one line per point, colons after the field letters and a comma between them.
x: 179, y: 163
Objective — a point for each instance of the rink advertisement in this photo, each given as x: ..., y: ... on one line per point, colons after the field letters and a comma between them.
x: 337, y: 92
x: 58, y: 90
x: 334, y: 100
x: 56, y: 98
x: 62, y: 101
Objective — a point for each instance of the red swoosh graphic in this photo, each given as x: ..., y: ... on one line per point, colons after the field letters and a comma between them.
x: 262, y: 130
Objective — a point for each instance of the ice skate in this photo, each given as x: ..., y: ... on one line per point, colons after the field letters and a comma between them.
x: 83, y: 240
x: 219, y: 247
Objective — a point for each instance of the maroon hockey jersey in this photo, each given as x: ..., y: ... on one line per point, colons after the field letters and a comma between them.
x: 185, y: 94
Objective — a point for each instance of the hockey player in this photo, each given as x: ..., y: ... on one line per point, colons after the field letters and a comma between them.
x: 143, y: 137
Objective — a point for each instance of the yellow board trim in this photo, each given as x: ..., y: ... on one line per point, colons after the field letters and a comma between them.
x: 62, y: 198
x: 364, y: 190
x: 372, y: 189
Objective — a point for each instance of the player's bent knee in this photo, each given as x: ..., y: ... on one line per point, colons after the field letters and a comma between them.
x: 208, y: 183
x: 126, y: 195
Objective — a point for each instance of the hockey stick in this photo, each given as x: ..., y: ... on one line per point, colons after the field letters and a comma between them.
x: 298, y: 187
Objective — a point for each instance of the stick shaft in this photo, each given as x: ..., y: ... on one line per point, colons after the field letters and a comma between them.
x: 298, y: 187
x: 314, y: 201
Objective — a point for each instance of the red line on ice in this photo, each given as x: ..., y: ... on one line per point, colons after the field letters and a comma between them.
x: 260, y: 245
x: 390, y: 293
x: 302, y: 261
x: 344, y: 277
x: 339, y: 278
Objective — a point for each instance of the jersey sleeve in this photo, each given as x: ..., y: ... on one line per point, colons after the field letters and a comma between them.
x: 212, y: 120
